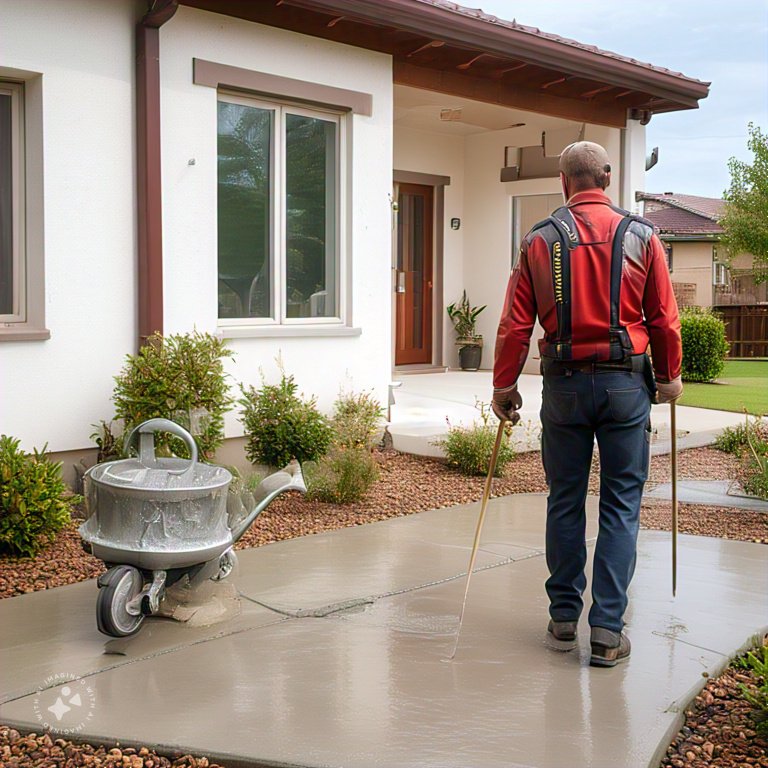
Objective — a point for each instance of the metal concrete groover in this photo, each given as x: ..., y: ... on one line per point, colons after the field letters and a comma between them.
x: 155, y: 521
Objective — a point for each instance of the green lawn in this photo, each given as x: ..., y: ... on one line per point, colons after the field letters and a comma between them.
x: 743, y: 384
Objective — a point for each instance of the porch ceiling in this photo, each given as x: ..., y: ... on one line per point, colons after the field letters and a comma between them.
x: 444, y: 47
x: 416, y: 108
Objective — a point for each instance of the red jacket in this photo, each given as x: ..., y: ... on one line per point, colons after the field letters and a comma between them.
x: 647, y: 309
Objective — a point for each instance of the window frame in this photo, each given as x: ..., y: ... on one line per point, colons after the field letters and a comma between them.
x: 278, y: 214
x: 18, y: 206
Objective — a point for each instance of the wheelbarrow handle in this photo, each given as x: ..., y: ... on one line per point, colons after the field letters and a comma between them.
x: 165, y: 425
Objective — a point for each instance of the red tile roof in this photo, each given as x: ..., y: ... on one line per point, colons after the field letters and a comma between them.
x: 684, y: 214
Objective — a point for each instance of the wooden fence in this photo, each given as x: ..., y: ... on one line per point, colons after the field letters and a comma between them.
x: 747, y: 329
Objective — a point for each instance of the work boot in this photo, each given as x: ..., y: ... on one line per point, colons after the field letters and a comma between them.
x: 561, y: 635
x: 608, y: 647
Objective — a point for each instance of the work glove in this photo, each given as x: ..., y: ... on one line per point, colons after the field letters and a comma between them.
x: 669, y: 391
x: 506, y: 403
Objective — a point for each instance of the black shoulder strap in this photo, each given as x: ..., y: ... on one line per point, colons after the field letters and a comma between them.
x: 620, y: 343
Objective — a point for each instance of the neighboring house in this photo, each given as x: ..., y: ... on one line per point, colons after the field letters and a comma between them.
x: 701, y: 273
x: 232, y: 167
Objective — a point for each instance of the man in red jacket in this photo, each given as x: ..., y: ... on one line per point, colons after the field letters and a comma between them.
x: 598, y: 281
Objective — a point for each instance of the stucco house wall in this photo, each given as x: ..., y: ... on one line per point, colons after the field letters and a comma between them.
x: 321, y: 364
x: 692, y: 263
x: 52, y: 391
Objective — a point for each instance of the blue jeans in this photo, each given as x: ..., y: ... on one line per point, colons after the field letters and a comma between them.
x: 576, y: 408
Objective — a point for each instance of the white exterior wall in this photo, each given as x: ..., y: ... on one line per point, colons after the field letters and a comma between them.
x: 321, y: 365
x: 634, y: 164
x: 442, y: 155
x: 53, y: 391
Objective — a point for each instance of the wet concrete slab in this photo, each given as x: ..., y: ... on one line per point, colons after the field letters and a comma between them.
x: 315, y: 572
x: 54, y: 631
x: 369, y: 684
x: 718, y: 493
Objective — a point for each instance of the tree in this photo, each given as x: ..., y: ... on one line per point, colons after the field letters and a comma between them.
x: 746, y: 211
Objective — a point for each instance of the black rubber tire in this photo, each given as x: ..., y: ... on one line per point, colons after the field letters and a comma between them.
x: 121, y: 584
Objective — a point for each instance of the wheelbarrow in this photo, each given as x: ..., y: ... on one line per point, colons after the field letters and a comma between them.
x: 154, y: 521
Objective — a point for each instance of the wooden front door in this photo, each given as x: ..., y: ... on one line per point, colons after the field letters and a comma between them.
x: 413, y: 280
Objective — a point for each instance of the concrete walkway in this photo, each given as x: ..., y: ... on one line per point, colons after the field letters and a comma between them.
x: 714, y: 493
x: 338, y: 657
x: 426, y: 403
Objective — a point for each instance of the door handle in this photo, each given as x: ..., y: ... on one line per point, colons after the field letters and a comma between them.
x: 400, y: 282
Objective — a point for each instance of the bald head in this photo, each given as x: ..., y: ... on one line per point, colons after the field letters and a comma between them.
x: 585, y: 165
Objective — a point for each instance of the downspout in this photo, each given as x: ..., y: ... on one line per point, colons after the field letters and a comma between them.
x: 148, y: 171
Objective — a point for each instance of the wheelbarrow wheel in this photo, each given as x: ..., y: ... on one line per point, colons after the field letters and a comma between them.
x: 227, y: 562
x: 117, y: 587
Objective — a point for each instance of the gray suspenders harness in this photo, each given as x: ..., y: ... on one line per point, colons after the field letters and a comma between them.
x: 560, y: 233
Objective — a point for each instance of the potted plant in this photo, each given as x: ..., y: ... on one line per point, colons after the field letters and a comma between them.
x: 470, y: 344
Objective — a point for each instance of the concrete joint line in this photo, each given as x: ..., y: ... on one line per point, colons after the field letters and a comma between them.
x: 344, y: 606
x: 506, y: 561
x: 678, y: 639
x: 357, y: 604
x: 147, y: 657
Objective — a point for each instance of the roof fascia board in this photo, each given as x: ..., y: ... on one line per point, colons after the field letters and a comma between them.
x: 437, y: 23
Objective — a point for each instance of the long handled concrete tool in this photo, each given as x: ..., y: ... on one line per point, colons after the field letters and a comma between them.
x: 479, y: 530
x: 673, y: 457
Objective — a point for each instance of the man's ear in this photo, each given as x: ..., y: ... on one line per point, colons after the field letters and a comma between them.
x: 564, y: 186
x: 607, y: 177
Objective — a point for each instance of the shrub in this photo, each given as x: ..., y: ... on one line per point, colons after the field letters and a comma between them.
x: 109, y: 443
x: 343, y: 476
x: 35, y: 502
x: 757, y: 661
x: 356, y: 420
x: 754, y: 468
x: 470, y: 448
x: 734, y: 439
x: 182, y: 378
x: 281, y: 426
x: 704, y: 344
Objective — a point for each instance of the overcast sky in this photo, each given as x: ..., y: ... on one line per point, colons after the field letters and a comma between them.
x: 722, y: 41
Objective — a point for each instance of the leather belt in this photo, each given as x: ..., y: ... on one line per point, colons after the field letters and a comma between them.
x: 633, y: 364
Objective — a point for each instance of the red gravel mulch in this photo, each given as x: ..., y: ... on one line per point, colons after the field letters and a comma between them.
x: 718, y: 729
x: 409, y: 484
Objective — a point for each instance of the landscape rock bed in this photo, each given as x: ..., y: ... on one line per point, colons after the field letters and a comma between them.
x: 34, y: 750
x: 718, y: 729
x: 410, y: 484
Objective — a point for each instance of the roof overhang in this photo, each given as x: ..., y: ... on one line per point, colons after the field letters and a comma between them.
x: 455, y: 50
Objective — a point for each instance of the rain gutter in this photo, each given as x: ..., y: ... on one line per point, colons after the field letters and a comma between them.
x: 148, y: 168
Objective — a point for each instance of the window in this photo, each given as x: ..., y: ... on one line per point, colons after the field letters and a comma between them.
x: 12, y: 273
x: 279, y: 193
x: 719, y: 273
x: 22, y: 270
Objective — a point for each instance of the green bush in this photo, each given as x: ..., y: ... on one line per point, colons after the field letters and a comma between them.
x: 35, y: 502
x: 182, y: 378
x: 757, y: 662
x: 343, y: 476
x: 734, y: 439
x: 704, y: 344
x: 280, y: 425
x: 356, y: 420
x: 470, y: 448
x: 754, y: 466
